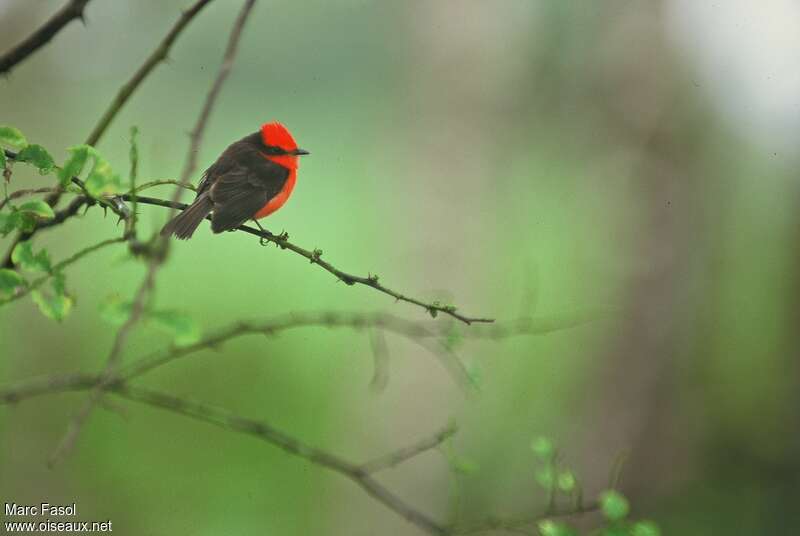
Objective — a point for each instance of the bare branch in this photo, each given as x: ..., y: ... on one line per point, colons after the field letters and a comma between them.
x: 72, y: 10
x: 157, y: 56
x: 413, y: 331
x: 399, y: 456
x: 289, y: 444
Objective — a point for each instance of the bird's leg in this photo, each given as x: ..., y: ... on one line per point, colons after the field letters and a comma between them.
x: 263, y: 241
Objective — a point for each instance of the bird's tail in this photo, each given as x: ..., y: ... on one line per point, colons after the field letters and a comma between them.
x: 184, y: 224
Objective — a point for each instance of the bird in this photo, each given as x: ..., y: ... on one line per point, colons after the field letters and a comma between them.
x: 250, y: 180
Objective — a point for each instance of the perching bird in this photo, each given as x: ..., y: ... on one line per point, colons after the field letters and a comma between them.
x: 250, y: 180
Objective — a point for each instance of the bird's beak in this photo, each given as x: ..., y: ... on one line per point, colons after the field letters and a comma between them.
x: 300, y: 152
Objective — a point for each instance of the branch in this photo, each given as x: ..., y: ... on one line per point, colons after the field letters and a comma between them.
x: 289, y: 444
x: 60, y: 266
x: 413, y: 331
x: 72, y: 10
x: 314, y: 257
x: 157, y: 56
x: 159, y: 256
x: 399, y: 456
x: 23, y: 193
x: 492, y: 524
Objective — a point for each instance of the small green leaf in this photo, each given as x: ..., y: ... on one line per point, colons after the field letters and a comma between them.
x: 23, y: 256
x: 57, y: 306
x: 115, y: 310
x: 183, y: 328
x: 24, y: 221
x: 549, y: 527
x: 566, y: 481
x: 9, y: 282
x: 545, y: 476
x: 102, y: 180
x: 7, y: 223
x: 2, y: 159
x: 12, y: 136
x: 645, y: 528
x: 614, y: 505
x: 543, y: 447
x: 38, y: 156
x: 464, y: 465
x: 74, y: 164
x: 38, y: 208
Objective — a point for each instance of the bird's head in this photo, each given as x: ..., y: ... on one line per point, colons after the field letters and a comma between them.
x: 278, y: 142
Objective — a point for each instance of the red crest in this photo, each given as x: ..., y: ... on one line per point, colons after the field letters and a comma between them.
x: 277, y: 135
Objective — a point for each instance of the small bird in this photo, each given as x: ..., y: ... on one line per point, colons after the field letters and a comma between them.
x: 250, y: 180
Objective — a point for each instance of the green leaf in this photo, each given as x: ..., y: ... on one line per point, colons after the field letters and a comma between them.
x: 183, y: 328
x: 115, y: 310
x: 12, y: 136
x: 464, y: 465
x: 545, y: 476
x: 38, y: 208
x: 543, y: 447
x: 58, y: 305
x: 38, y: 156
x: 24, y: 257
x: 566, y: 481
x: 8, y: 222
x: 549, y: 527
x: 2, y: 159
x: 614, y: 505
x: 9, y: 282
x: 645, y: 528
x: 74, y: 164
x: 101, y: 180
x: 24, y: 221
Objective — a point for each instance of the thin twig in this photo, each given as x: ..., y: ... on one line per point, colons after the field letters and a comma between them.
x: 72, y: 10
x: 314, y: 257
x: 413, y: 331
x: 380, y: 358
x: 399, y: 456
x: 60, y: 266
x: 22, y: 193
x: 157, y: 56
x: 157, y: 257
x: 289, y: 444
x: 493, y: 524
x: 161, y: 182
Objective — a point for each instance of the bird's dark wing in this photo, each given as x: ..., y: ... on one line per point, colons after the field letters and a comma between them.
x: 243, y: 187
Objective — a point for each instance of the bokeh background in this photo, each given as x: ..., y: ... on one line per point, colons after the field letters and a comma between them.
x: 514, y: 158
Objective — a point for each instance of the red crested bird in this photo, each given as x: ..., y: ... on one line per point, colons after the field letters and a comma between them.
x: 250, y: 180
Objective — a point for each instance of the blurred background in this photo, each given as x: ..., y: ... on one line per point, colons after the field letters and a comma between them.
x: 514, y: 158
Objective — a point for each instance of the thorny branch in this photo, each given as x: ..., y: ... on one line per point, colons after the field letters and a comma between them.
x: 315, y: 257
x: 157, y: 56
x: 158, y: 257
x: 282, y: 241
x: 72, y: 10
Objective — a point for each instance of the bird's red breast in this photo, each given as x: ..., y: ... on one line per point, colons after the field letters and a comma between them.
x: 277, y: 202
x: 278, y: 135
